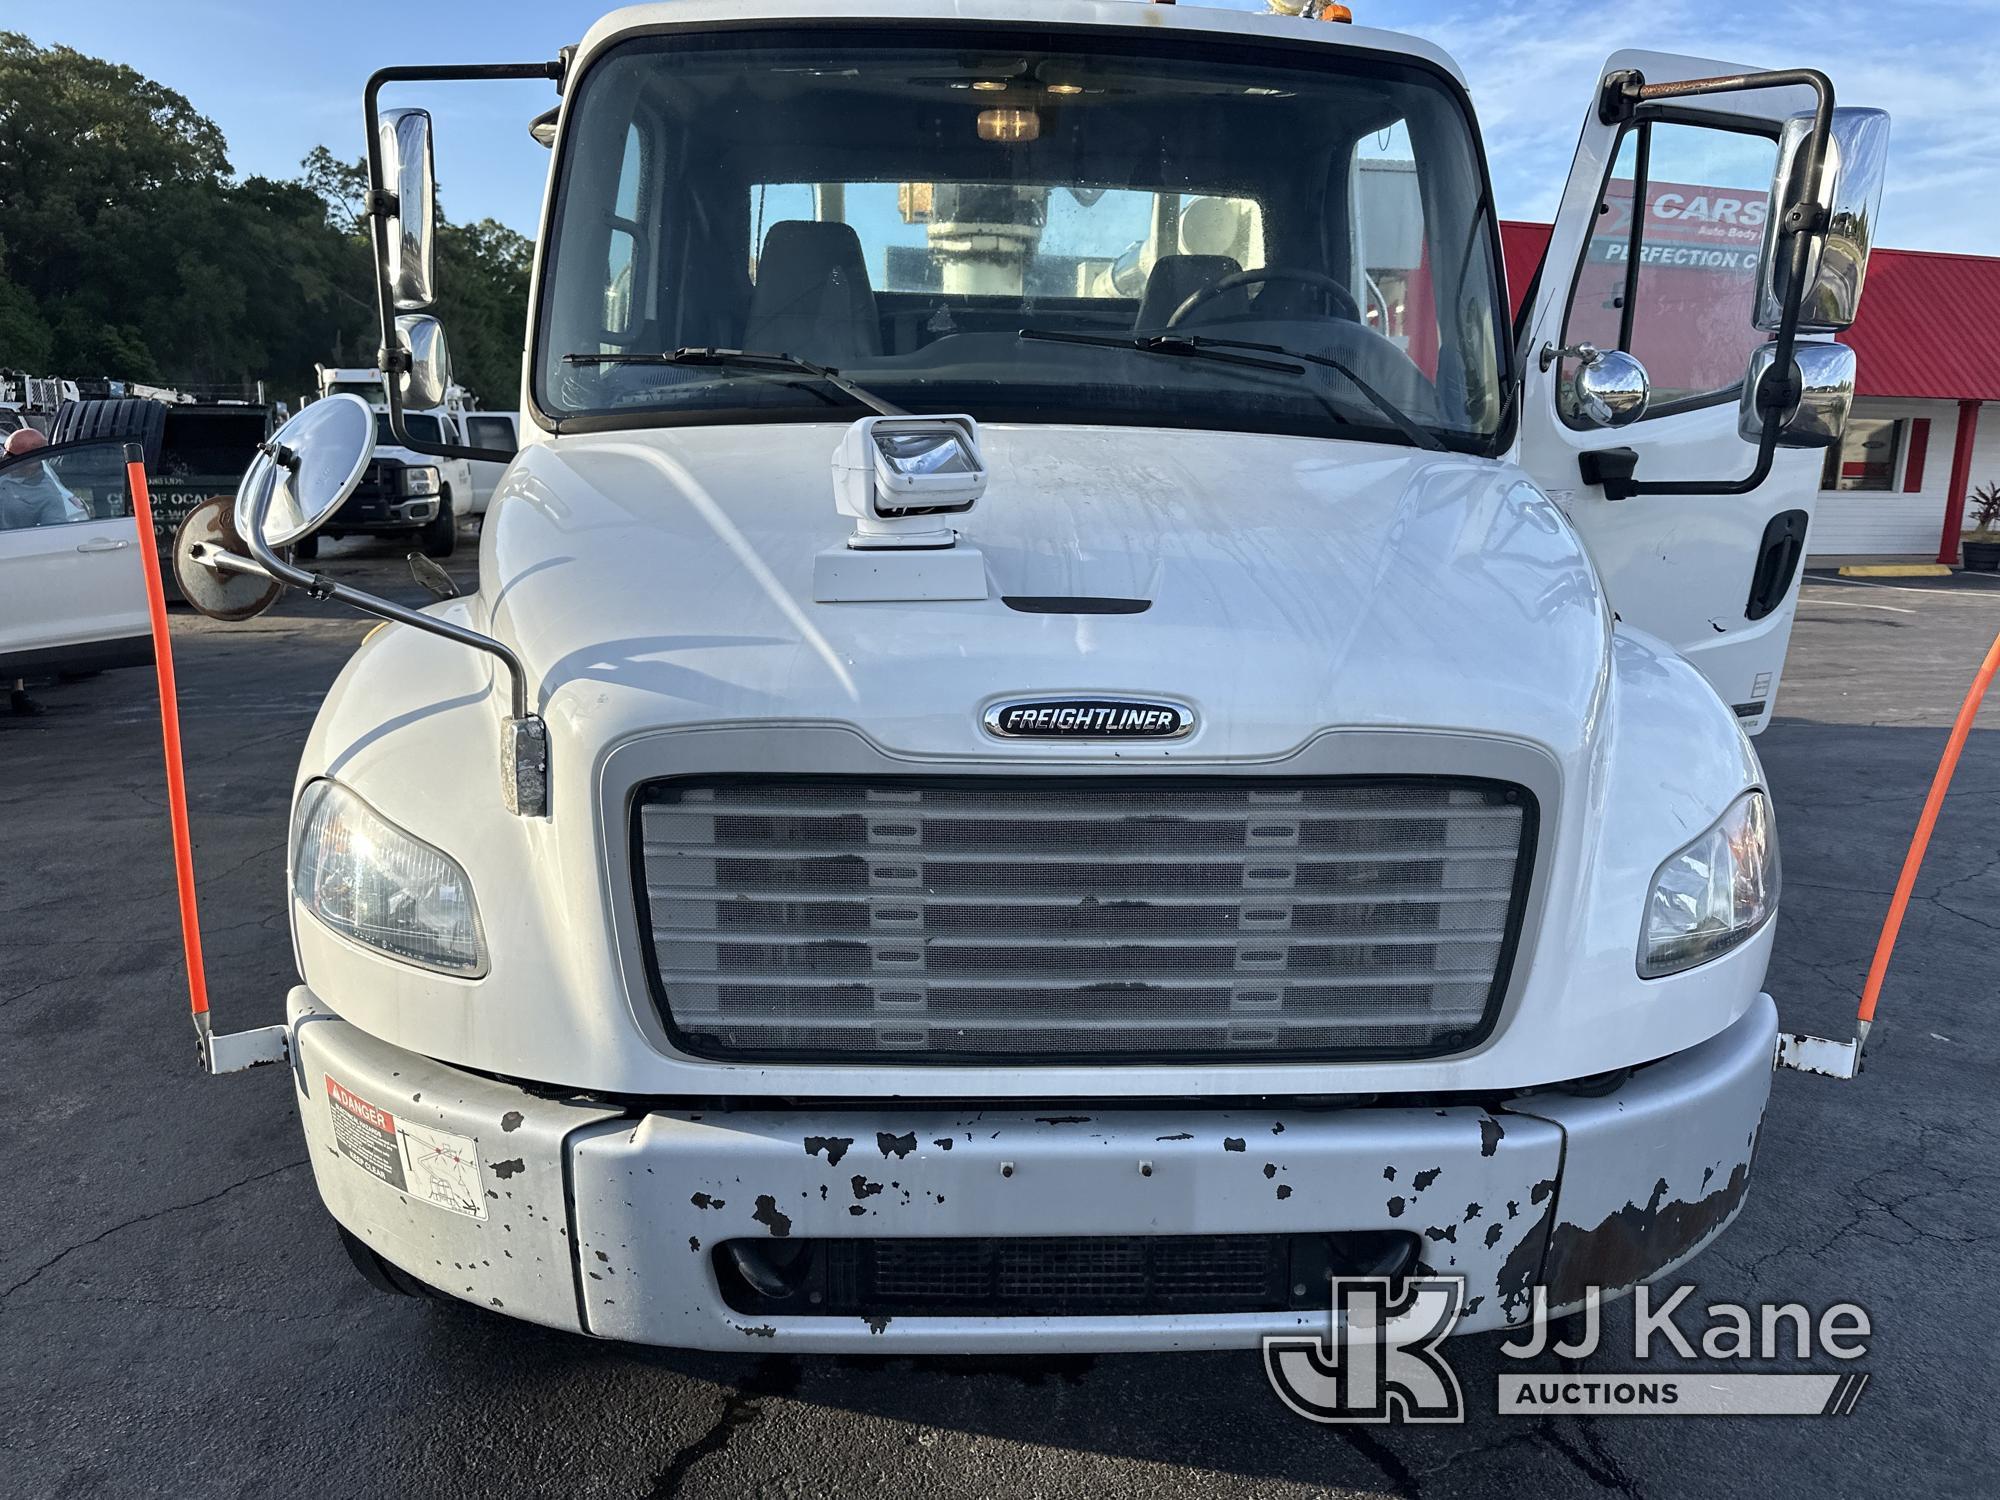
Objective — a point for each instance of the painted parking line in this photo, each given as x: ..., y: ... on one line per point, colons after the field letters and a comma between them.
x: 1891, y: 588
x: 1893, y: 609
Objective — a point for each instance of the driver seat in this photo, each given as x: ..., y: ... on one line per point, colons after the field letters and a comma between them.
x: 812, y: 298
x: 1175, y: 278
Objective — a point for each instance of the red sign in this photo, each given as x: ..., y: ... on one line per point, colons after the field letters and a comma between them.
x: 1699, y: 249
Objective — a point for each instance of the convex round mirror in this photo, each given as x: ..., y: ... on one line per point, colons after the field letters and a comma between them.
x: 331, y: 442
x: 1612, y: 388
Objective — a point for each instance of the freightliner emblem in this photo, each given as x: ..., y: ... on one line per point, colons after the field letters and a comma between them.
x: 1090, y: 719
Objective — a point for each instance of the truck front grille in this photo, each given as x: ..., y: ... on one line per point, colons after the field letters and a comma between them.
x: 971, y: 919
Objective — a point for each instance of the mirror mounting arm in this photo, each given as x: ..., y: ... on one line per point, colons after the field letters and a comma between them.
x: 556, y: 70
x: 1589, y: 354
x: 524, y: 739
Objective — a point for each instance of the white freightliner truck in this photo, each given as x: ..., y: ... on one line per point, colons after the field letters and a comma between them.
x: 973, y: 809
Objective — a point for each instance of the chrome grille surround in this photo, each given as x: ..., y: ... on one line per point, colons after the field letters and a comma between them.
x: 1061, y: 919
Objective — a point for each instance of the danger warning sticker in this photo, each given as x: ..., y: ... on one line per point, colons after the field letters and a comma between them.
x: 430, y: 1165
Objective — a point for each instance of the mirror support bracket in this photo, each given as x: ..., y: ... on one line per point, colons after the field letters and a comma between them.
x: 1624, y: 93
x: 1618, y: 99
x: 524, y: 738
x: 556, y: 70
x: 1611, y: 468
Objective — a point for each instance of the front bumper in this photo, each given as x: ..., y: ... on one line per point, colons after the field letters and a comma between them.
x: 367, y: 512
x: 603, y: 1219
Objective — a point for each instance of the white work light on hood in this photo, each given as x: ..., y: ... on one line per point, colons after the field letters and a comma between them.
x: 905, y: 480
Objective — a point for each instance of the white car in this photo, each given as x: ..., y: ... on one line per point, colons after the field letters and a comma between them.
x: 1034, y: 809
x: 72, y: 596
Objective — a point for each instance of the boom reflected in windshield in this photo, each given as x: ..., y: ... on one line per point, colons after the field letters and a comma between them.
x: 900, y: 210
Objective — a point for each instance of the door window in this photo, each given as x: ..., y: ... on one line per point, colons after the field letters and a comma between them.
x: 495, y: 433
x: 1670, y: 272
x: 64, y: 486
x: 425, y: 429
x: 1390, y: 244
x: 1866, y: 457
x: 621, y: 246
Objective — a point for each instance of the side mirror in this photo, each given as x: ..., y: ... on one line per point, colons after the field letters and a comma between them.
x: 428, y: 377
x: 326, y: 449
x: 1611, y: 387
x: 408, y: 170
x: 300, y: 477
x: 1812, y: 412
x: 1850, y: 190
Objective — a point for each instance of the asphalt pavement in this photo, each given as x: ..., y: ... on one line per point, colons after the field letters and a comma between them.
x: 177, y: 1317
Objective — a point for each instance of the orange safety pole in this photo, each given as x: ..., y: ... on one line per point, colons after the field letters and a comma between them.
x: 170, y: 730
x: 1926, y: 821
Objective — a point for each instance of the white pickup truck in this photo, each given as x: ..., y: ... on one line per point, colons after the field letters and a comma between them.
x: 988, y: 801
x: 405, y: 492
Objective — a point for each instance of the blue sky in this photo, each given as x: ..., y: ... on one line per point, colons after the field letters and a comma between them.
x: 280, y: 79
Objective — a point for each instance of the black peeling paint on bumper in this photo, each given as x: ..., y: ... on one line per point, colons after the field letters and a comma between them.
x: 1654, y: 1171
x: 604, y: 1219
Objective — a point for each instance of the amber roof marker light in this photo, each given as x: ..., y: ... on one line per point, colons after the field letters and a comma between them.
x: 1311, y: 10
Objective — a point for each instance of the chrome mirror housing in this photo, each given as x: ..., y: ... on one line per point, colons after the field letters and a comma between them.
x: 423, y: 372
x: 408, y: 168
x: 1611, y: 387
x: 1850, y: 190
x: 1814, y: 414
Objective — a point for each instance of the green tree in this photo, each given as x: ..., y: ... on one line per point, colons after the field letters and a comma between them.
x: 131, y: 252
x: 26, y: 340
x: 80, y: 137
x: 483, y: 272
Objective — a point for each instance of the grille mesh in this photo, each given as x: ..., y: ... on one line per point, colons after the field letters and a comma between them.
x: 1001, y: 917
x: 1050, y: 1276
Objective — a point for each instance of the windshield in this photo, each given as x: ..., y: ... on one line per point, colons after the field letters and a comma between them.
x: 423, y: 429
x: 901, y: 206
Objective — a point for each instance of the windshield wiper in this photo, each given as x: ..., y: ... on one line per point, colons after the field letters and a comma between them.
x: 1200, y: 346
x: 745, y: 359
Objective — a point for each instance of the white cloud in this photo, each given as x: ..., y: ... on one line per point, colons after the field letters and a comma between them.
x: 1934, y: 66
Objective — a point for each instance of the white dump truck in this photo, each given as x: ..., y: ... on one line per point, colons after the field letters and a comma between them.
x: 1067, y: 730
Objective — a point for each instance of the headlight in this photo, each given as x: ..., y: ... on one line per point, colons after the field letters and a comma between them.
x: 1715, y: 893
x: 376, y: 885
x: 419, y: 481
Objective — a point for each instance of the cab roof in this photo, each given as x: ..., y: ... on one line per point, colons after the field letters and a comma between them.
x: 1133, y: 15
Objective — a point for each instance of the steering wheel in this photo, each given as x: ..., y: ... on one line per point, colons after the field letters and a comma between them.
x: 1344, y: 305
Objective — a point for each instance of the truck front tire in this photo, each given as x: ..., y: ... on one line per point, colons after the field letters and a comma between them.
x: 440, y: 536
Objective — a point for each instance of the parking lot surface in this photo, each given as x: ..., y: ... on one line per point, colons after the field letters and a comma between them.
x: 177, y: 1317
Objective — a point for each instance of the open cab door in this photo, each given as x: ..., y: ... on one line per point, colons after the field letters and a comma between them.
x: 1681, y: 386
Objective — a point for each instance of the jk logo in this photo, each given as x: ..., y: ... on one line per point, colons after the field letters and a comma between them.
x: 1380, y: 1361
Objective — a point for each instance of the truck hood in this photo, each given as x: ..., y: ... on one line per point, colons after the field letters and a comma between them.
x: 656, y: 579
